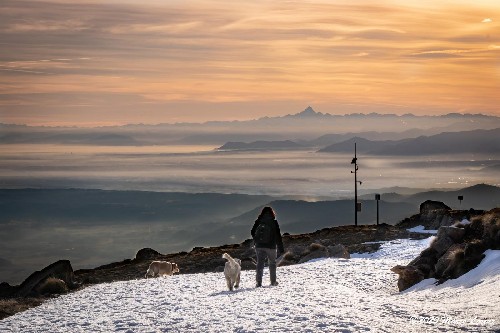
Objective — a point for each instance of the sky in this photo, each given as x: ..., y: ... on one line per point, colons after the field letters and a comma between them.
x: 106, y: 62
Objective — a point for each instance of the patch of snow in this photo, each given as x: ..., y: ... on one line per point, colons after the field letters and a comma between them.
x: 421, y: 230
x: 464, y: 222
x: 324, y: 295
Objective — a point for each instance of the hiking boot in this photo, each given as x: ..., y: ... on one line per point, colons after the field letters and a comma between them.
x: 275, y: 283
x: 258, y: 285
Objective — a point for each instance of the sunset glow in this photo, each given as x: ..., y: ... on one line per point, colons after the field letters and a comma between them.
x: 113, y: 62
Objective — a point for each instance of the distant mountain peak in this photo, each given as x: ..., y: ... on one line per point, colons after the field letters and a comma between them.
x: 309, y: 112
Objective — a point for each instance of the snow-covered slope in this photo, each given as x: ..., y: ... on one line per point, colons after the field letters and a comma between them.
x: 326, y: 295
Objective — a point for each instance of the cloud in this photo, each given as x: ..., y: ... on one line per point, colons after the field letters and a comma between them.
x: 250, y: 52
x: 487, y: 20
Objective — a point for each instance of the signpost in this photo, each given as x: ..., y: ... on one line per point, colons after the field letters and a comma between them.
x: 377, y: 197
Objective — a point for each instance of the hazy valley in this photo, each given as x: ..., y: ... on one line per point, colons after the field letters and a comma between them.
x: 96, y: 195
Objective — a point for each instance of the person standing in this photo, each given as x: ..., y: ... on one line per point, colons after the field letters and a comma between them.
x: 267, y: 238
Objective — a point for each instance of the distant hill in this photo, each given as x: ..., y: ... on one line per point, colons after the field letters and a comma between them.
x: 92, y: 227
x: 363, y: 146
x: 261, y: 145
x: 481, y: 196
x: 296, y: 216
x: 330, y: 139
x: 477, y: 141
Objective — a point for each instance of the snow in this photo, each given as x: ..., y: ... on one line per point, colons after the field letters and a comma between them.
x: 327, y: 295
x: 464, y: 222
x: 421, y: 229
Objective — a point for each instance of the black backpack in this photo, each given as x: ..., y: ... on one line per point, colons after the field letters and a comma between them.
x: 264, y: 232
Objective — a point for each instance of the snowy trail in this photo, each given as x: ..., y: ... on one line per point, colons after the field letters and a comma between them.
x: 325, y: 295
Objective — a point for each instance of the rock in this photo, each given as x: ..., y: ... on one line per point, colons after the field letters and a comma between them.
x: 448, y: 261
x: 51, y: 286
x: 289, y: 258
x: 456, y: 250
x: 313, y: 251
x: 60, y: 270
x: 473, y: 254
x: 408, y: 276
x: 316, y: 247
x: 6, y: 290
x: 430, y: 206
x: 147, y: 254
x: 339, y: 251
x: 247, y: 264
x: 313, y: 255
x: 425, y: 262
x: 441, y: 245
x: 456, y: 234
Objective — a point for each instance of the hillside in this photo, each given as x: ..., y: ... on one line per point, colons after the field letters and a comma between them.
x: 477, y: 141
x: 326, y: 295
x: 95, y: 227
x: 481, y: 196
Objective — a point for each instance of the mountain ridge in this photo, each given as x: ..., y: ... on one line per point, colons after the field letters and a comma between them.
x: 309, y: 112
x: 476, y: 141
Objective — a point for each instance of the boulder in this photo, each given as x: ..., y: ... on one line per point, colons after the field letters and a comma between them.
x: 60, y: 270
x: 6, y: 290
x: 52, y: 286
x: 431, y: 206
x: 314, y: 251
x: 433, y: 214
x: 339, y: 251
x: 408, y: 276
x: 147, y: 254
x: 314, y: 255
x: 289, y: 258
x: 456, y: 250
x: 425, y: 262
x: 456, y: 234
x: 441, y: 245
x: 449, y: 260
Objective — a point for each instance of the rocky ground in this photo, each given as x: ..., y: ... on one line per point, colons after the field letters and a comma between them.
x: 329, y: 242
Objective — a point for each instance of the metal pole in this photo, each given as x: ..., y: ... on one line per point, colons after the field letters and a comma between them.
x: 355, y: 187
x: 377, y: 198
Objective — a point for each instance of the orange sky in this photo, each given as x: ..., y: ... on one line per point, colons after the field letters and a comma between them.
x: 115, y: 62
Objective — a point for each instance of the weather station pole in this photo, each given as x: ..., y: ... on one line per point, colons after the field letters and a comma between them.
x: 355, y: 162
x: 377, y: 198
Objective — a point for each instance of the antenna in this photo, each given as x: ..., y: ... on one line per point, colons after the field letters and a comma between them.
x: 357, y: 207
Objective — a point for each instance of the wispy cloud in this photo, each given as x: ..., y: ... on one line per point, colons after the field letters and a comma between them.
x: 252, y: 53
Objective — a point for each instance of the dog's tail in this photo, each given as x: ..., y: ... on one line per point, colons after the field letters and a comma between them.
x: 229, y: 258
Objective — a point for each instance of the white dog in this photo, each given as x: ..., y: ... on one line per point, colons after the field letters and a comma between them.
x: 232, y: 271
x: 162, y: 268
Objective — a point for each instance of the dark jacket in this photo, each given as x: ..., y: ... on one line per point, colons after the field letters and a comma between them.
x: 276, y: 241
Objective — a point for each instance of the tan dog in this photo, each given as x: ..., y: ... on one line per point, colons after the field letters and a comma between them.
x: 232, y: 270
x: 162, y: 268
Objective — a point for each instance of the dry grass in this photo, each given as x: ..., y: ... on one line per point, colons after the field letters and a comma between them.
x: 315, y: 247
x: 11, y: 306
x: 52, y: 286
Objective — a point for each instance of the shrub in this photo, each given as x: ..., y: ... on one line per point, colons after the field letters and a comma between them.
x: 52, y: 286
x: 315, y: 247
